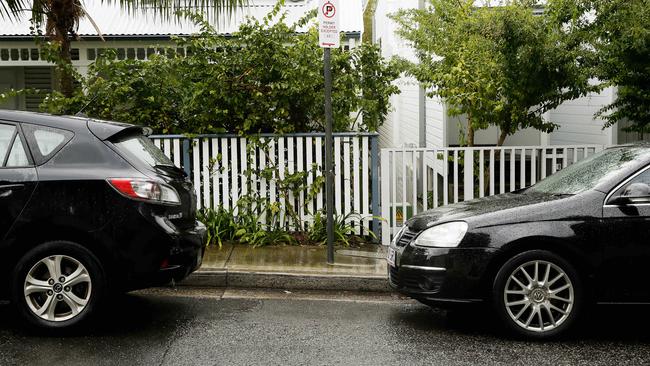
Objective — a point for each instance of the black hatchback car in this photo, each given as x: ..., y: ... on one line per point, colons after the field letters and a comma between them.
x: 88, y: 208
x: 537, y: 255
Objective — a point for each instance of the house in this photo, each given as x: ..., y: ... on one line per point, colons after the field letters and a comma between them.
x: 419, y: 121
x: 135, y: 36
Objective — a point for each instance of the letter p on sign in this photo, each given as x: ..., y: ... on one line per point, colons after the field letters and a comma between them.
x: 328, y: 24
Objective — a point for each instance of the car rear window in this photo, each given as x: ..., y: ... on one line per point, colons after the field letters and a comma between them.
x: 142, y: 148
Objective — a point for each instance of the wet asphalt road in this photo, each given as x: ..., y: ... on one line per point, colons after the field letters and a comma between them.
x: 209, y: 327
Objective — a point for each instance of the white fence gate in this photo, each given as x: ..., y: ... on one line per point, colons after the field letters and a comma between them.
x: 417, y: 179
x: 217, y: 165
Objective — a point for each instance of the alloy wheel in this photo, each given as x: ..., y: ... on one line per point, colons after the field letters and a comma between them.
x: 57, y: 288
x: 539, y: 296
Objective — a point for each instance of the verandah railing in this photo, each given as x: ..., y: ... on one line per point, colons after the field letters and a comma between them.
x: 417, y: 179
x: 218, y: 166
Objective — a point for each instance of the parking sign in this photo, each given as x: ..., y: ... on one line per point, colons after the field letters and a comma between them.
x: 328, y: 23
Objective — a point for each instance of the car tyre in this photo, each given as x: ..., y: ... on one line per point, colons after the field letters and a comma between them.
x: 57, y: 285
x: 537, y: 294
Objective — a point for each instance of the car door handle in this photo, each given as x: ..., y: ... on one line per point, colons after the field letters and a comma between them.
x: 7, y: 190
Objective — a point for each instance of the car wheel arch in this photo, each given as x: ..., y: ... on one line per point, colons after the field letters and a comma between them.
x: 26, y: 240
x: 553, y: 245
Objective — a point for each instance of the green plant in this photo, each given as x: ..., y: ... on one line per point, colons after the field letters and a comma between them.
x: 344, y: 232
x: 267, y: 77
x: 220, y: 224
x: 497, y: 65
x: 61, y: 19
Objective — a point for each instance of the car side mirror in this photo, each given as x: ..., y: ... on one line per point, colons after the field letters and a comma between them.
x: 619, y: 201
x: 635, y: 193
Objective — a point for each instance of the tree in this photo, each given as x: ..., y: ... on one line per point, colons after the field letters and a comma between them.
x: 621, y: 37
x: 265, y: 78
x: 61, y: 19
x: 503, y: 66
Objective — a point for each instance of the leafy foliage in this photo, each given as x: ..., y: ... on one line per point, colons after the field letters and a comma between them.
x: 61, y: 19
x: 265, y: 78
x: 344, y: 232
x: 499, y: 66
x: 622, y: 41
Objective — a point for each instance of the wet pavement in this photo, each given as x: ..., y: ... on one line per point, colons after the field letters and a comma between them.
x: 237, y: 327
x: 368, y: 261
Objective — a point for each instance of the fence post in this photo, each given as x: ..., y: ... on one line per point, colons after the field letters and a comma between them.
x: 386, y: 202
x: 468, y: 170
x: 374, y: 172
x: 186, y: 158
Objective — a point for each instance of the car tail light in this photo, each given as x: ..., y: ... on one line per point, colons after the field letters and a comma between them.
x: 145, y: 190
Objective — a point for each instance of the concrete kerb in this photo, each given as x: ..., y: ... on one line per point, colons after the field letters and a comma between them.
x: 288, y: 281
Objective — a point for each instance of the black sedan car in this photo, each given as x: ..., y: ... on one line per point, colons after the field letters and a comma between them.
x: 538, y: 256
x: 88, y: 208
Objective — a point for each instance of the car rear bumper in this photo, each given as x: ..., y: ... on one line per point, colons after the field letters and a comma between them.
x: 184, y: 256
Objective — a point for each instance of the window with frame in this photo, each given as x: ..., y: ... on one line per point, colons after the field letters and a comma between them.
x: 12, y: 150
x: 45, y: 142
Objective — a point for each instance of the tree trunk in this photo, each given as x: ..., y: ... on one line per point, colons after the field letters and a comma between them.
x: 502, y: 138
x: 62, y: 18
x: 65, y: 71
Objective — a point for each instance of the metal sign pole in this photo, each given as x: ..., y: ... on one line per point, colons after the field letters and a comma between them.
x: 329, y: 171
x: 328, y: 38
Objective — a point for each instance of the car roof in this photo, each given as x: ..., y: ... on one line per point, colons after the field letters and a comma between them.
x: 102, y: 129
x: 44, y: 119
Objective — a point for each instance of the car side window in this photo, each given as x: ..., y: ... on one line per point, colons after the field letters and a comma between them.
x: 45, y: 142
x: 6, y: 136
x: 13, y: 153
x: 18, y: 155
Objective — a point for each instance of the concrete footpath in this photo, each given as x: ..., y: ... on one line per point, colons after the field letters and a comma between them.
x: 292, y: 268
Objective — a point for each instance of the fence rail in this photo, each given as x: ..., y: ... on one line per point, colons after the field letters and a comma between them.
x: 218, y: 166
x: 417, y: 179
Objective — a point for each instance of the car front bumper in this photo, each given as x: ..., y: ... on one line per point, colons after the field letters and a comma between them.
x: 440, y: 275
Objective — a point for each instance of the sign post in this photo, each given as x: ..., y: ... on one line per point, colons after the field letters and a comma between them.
x: 328, y: 38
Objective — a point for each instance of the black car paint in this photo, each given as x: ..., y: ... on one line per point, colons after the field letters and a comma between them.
x: 68, y: 198
x: 610, y: 246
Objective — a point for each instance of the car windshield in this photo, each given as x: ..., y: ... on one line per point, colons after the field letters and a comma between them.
x: 588, y: 173
x: 144, y: 150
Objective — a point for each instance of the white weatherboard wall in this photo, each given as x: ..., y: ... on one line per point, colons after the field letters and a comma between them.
x: 436, y: 118
x: 577, y: 122
x: 401, y: 127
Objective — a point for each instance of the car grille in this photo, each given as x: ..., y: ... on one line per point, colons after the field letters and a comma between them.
x: 406, y: 238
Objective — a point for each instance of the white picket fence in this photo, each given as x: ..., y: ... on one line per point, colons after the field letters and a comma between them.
x: 217, y: 166
x: 417, y: 179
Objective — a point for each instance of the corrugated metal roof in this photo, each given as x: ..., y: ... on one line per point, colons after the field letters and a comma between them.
x: 114, y: 21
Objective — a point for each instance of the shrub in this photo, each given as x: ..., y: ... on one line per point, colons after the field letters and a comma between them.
x: 265, y: 78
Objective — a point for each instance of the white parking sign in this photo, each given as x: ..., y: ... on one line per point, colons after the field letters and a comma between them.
x: 328, y: 23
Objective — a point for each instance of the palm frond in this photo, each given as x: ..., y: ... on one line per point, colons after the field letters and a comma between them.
x: 170, y: 9
x: 13, y: 9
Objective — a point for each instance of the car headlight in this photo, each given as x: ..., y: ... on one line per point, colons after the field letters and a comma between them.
x: 446, y: 235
